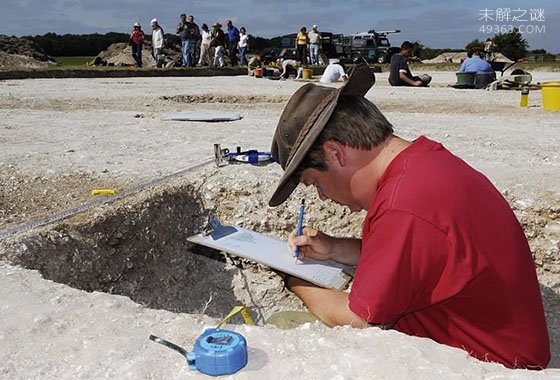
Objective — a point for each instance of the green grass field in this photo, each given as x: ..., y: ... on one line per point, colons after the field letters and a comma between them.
x: 73, y: 61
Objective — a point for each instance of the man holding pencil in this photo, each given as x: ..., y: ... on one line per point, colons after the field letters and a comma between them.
x: 441, y: 256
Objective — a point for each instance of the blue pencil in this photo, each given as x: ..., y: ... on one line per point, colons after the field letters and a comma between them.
x: 300, y: 225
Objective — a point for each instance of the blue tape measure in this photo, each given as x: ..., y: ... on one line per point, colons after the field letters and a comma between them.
x: 216, y: 352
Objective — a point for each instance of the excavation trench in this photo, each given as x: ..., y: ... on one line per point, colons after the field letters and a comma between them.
x: 138, y: 248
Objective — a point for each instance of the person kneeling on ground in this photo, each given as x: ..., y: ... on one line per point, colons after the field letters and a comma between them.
x: 400, y: 74
x: 287, y: 67
x: 254, y: 63
x: 442, y: 254
x: 475, y: 63
x: 333, y: 72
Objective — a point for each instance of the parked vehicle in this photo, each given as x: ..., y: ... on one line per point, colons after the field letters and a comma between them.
x: 368, y: 47
x: 327, y: 46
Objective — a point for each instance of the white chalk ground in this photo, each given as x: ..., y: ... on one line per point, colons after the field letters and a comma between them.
x: 112, y: 127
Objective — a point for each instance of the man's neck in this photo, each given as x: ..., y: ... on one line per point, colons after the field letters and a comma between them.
x: 371, y: 165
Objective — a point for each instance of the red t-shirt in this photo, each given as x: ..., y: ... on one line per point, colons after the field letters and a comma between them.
x: 444, y: 257
x: 137, y: 36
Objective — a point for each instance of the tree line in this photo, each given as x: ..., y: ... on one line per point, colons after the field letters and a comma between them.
x: 74, y: 45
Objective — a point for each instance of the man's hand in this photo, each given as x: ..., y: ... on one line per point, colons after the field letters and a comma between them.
x: 313, y: 243
x: 320, y: 246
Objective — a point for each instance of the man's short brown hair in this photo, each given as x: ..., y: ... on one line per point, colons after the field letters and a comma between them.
x: 356, y: 122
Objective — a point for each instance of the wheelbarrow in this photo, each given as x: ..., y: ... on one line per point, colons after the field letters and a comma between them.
x: 501, y: 66
x: 517, y: 79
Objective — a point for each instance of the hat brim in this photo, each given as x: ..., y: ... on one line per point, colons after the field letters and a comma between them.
x: 360, y: 80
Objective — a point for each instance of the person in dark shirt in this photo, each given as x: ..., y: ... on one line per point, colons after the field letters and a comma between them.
x: 218, y: 42
x: 400, y: 73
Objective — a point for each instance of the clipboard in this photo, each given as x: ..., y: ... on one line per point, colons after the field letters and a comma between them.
x: 273, y: 253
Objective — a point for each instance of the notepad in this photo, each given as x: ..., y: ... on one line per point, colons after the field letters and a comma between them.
x: 275, y: 254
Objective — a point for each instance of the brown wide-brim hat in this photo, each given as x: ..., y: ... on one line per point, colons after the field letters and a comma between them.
x: 217, y: 25
x: 302, y: 121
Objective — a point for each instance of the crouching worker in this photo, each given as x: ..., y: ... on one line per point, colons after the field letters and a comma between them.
x: 333, y: 72
x: 441, y: 255
x: 400, y: 74
x: 254, y: 63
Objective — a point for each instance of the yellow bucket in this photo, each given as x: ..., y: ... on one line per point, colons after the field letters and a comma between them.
x: 551, y: 96
x: 307, y: 74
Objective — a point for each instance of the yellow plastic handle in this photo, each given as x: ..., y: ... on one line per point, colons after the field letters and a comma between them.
x: 244, y: 313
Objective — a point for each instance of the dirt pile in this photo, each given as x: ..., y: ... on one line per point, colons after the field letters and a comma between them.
x: 458, y: 57
x: 120, y: 54
x: 21, y: 52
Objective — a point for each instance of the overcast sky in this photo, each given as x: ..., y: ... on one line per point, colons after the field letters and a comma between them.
x: 436, y: 23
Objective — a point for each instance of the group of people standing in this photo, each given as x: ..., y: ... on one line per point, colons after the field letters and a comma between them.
x: 308, y: 43
x: 199, y: 46
x: 137, y: 37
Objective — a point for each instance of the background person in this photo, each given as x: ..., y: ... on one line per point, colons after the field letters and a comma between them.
x: 232, y: 40
x: 302, y: 41
x: 193, y: 35
x: 254, y: 63
x: 218, y: 43
x: 183, y: 33
x: 243, y: 46
x: 137, y: 41
x: 400, y: 74
x: 333, y: 72
x: 314, y: 43
x: 206, y: 53
x: 442, y: 255
x: 157, y: 43
x: 475, y: 64
x: 287, y: 67
x: 489, y: 50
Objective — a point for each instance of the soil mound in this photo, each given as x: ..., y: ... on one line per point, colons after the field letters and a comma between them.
x: 120, y: 54
x: 21, y: 52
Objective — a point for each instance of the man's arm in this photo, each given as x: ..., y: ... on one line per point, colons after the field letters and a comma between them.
x: 330, y: 306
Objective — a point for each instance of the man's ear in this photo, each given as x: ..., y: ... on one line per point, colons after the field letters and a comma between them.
x: 335, y: 153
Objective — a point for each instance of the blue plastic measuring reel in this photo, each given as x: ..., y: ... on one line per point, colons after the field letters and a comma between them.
x: 216, y: 352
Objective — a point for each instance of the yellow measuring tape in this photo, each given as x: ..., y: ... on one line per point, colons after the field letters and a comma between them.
x: 104, y: 192
x: 238, y: 309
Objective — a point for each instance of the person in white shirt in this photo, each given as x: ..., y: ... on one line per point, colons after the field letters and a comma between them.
x: 287, y: 66
x: 333, y: 72
x: 243, y: 46
x: 314, y: 43
x: 157, y: 43
x: 206, y: 53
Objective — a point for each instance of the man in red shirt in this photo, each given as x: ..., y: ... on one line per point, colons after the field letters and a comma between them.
x: 442, y: 255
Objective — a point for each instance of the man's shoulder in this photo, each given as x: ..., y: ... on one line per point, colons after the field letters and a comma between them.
x: 397, y: 58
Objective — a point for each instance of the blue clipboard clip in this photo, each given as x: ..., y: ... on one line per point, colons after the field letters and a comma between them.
x: 216, y: 229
